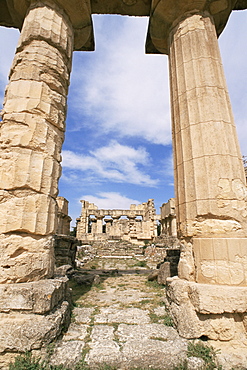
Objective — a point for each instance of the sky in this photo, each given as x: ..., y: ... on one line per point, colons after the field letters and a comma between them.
x: 117, y: 148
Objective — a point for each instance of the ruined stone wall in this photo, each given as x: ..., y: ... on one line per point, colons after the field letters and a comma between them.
x: 63, y: 223
x: 136, y: 224
x: 168, y: 218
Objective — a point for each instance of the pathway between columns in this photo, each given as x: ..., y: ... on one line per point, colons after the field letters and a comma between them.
x: 121, y: 322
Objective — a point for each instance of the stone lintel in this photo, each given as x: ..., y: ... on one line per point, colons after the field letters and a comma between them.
x: 12, y: 14
x: 38, y: 297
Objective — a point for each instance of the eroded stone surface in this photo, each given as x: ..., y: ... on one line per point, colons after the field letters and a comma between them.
x: 129, y: 316
x: 83, y: 314
x: 35, y: 297
x: 210, y: 310
x: 25, y: 258
x: 67, y: 353
x: 23, y: 332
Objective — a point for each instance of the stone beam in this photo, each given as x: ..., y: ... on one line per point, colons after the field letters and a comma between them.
x: 162, y: 14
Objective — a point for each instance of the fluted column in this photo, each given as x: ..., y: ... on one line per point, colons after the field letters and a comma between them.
x: 32, y: 133
x: 99, y: 226
x: 209, y: 176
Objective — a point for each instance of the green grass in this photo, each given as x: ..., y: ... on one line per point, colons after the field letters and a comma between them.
x: 140, y: 264
x: 207, y: 353
x: 154, y: 285
x: 28, y: 362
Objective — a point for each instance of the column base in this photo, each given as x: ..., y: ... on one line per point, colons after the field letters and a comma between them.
x: 32, y: 315
x: 216, y: 312
x: 214, y: 261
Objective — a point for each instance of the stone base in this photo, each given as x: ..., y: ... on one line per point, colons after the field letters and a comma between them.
x: 217, y: 312
x: 32, y: 315
x: 217, y: 260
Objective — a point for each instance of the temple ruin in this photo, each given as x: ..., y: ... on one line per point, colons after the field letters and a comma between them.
x: 137, y: 225
x: 208, y: 298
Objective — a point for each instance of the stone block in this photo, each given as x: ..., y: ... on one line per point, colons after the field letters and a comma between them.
x: 37, y: 297
x: 164, y: 273
x: 26, y: 211
x: 67, y: 353
x: 217, y: 312
x: 33, y: 96
x: 27, y: 130
x: 226, y: 262
x: 25, y: 258
x: 24, y: 332
x: 30, y: 169
x: 217, y: 299
x: 45, y: 59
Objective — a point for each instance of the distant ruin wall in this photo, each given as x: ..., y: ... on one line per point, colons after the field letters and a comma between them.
x: 137, y: 224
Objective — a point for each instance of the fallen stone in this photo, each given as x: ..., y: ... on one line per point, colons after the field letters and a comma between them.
x: 163, y: 273
x: 153, y: 275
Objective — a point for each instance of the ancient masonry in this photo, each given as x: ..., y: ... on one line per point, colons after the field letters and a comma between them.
x: 168, y: 218
x: 209, y: 295
x: 136, y: 224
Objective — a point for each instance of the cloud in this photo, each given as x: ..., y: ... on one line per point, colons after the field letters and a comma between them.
x: 8, y: 42
x: 115, y: 162
x: 234, y: 56
x: 123, y: 91
x: 110, y: 200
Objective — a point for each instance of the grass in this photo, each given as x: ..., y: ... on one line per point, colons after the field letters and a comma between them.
x: 159, y: 338
x: 207, y: 353
x: 164, y: 319
x: 78, y: 291
x: 154, y: 285
x: 140, y: 264
x: 28, y: 362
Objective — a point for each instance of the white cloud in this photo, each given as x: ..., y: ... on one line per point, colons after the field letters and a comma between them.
x: 234, y: 56
x: 124, y: 90
x: 110, y: 200
x: 8, y: 42
x: 115, y: 162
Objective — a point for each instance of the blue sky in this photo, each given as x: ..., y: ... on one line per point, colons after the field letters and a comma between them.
x: 117, y: 149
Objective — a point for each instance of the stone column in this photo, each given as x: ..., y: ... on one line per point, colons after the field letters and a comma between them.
x: 108, y: 222
x: 99, y: 227
x: 173, y: 226
x: 32, y: 133
x: 209, y: 175
x: 93, y: 225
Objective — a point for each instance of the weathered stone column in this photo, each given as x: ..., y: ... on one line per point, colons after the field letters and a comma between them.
x: 93, y: 225
x: 173, y: 226
x: 99, y: 225
x: 32, y: 133
x: 209, y: 174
